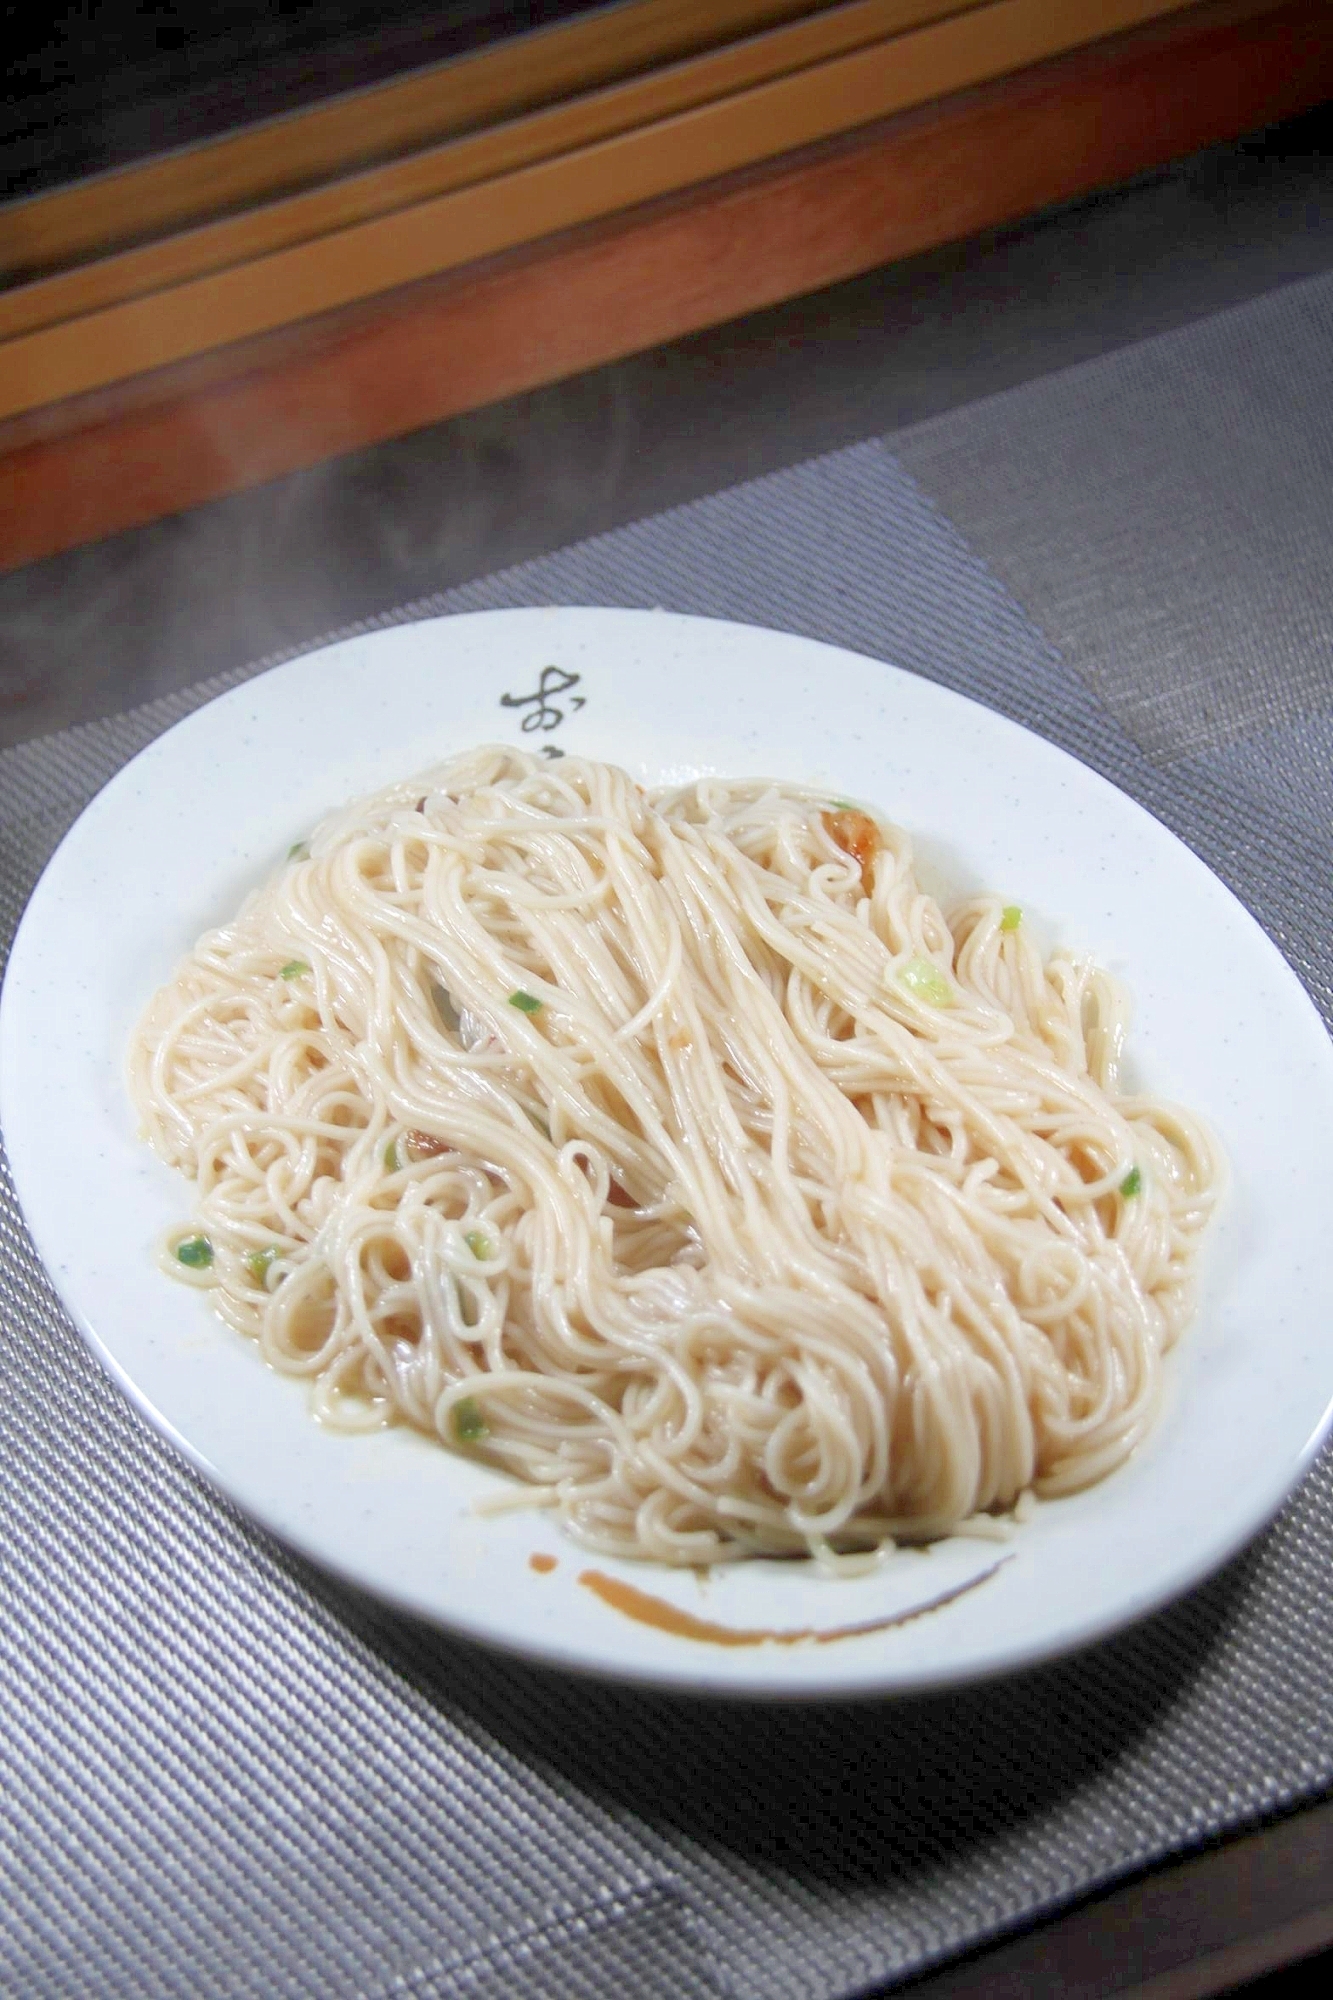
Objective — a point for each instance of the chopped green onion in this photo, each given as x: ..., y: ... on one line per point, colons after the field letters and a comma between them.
x: 478, y: 1245
x: 469, y: 1423
x: 293, y: 969
x: 196, y: 1251
x: 844, y: 806
x: 1011, y: 916
x: 1131, y: 1184
x: 299, y: 851
x: 391, y: 1159
x: 445, y: 1008
x: 259, y: 1261
x: 924, y: 979
x: 525, y: 1002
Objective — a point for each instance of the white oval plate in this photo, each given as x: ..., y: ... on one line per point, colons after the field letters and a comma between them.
x: 173, y: 842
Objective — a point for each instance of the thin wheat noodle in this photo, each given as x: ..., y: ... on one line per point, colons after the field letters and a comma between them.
x: 675, y: 1155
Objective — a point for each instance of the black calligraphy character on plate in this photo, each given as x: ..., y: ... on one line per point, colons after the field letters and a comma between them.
x: 542, y: 712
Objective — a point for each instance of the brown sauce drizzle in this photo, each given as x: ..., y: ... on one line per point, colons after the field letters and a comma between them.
x: 426, y: 1145
x: 856, y: 834
x: 543, y: 1564
x: 642, y: 1606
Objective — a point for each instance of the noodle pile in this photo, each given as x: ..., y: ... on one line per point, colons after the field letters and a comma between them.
x: 674, y: 1154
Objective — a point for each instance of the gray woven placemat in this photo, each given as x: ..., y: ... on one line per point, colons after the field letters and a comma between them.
x: 223, y: 1775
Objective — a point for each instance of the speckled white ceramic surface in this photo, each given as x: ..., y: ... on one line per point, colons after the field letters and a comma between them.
x: 174, y: 841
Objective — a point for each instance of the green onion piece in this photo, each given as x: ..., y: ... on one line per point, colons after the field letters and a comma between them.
x: 391, y: 1159
x: 299, y: 851
x: 1011, y: 916
x: 844, y: 806
x: 1131, y: 1184
x: 478, y: 1245
x: 445, y: 1008
x: 196, y: 1251
x: 525, y: 1002
x: 469, y: 1423
x: 258, y: 1261
x: 924, y: 979
x: 293, y: 969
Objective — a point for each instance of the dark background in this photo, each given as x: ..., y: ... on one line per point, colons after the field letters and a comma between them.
x: 100, y: 83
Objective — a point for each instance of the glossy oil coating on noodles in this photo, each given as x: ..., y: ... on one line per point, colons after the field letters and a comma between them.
x: 673, y: 1153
